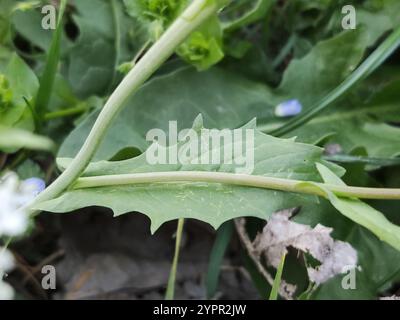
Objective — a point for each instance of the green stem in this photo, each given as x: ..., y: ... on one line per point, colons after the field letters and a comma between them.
x: 117, y: 43
x: 363, y: 71
x: 66, y: 112
x: 196, y: 13
x: 284, y: 52
x: 236, y: 179
x: 169, y: 295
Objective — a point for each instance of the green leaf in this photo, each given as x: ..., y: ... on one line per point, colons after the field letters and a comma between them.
x: 225, y: 100
x: 203, y: 48
x: 5, y: 55
x: 352, y: 123
x: 89, y: 72
x: 230, y: 99
x: 349, y: 124
x: 366, y: 68
x: 5, y: 24
x: 379, y: 19
x: 311, y: 21
x: 378, y: 267
x: 29, y: 169
x: 249, y: 12
x: 360, y: 212
x: 353, y: 127
x: 213, y: 203
x: 155, y: 13
x: 378, y: 262
x: 308, y: 79
x: 24, y: 85
x: 28, y: 24
x: 12, y: 139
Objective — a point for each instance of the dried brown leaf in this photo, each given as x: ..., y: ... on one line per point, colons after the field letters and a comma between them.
x: 280, y: 233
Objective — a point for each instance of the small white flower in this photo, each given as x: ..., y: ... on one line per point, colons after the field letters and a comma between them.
x: 13, y: 196
x: 13, y: 219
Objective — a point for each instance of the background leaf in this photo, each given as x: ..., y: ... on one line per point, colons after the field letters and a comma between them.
x: 224, y: 99
x: 360, y: 212
x: 12, y: 139
x: 24, y: 85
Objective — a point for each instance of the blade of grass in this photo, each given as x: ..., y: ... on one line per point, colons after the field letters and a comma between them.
x: 381, y: 162
x: 117, y: 43
x: 277, y: 280
x: 387, y: 47
x: 224, y: 235
x: 82, y: 107
x: 169, y: 295
x: 50, y: 69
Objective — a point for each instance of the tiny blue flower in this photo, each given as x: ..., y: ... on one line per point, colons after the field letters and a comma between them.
x: 288, y: 108
x: 37, y: 185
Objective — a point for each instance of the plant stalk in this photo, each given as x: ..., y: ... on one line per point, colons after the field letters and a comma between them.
x: 263, y: 182
x: 67, y: 112
x: 169, y: 295
x: 196, y: 13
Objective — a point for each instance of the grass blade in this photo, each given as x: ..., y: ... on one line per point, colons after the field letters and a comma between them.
x: 364, y: 70
x: 224, y: 235
x: 50, y: 70
x: 381, y: 162
x: 277, y: 280
x: 169, y: 295
x: 117, y: 42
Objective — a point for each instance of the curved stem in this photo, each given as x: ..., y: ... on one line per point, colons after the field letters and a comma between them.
x: 236, y: 179
x: 197, y: 12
